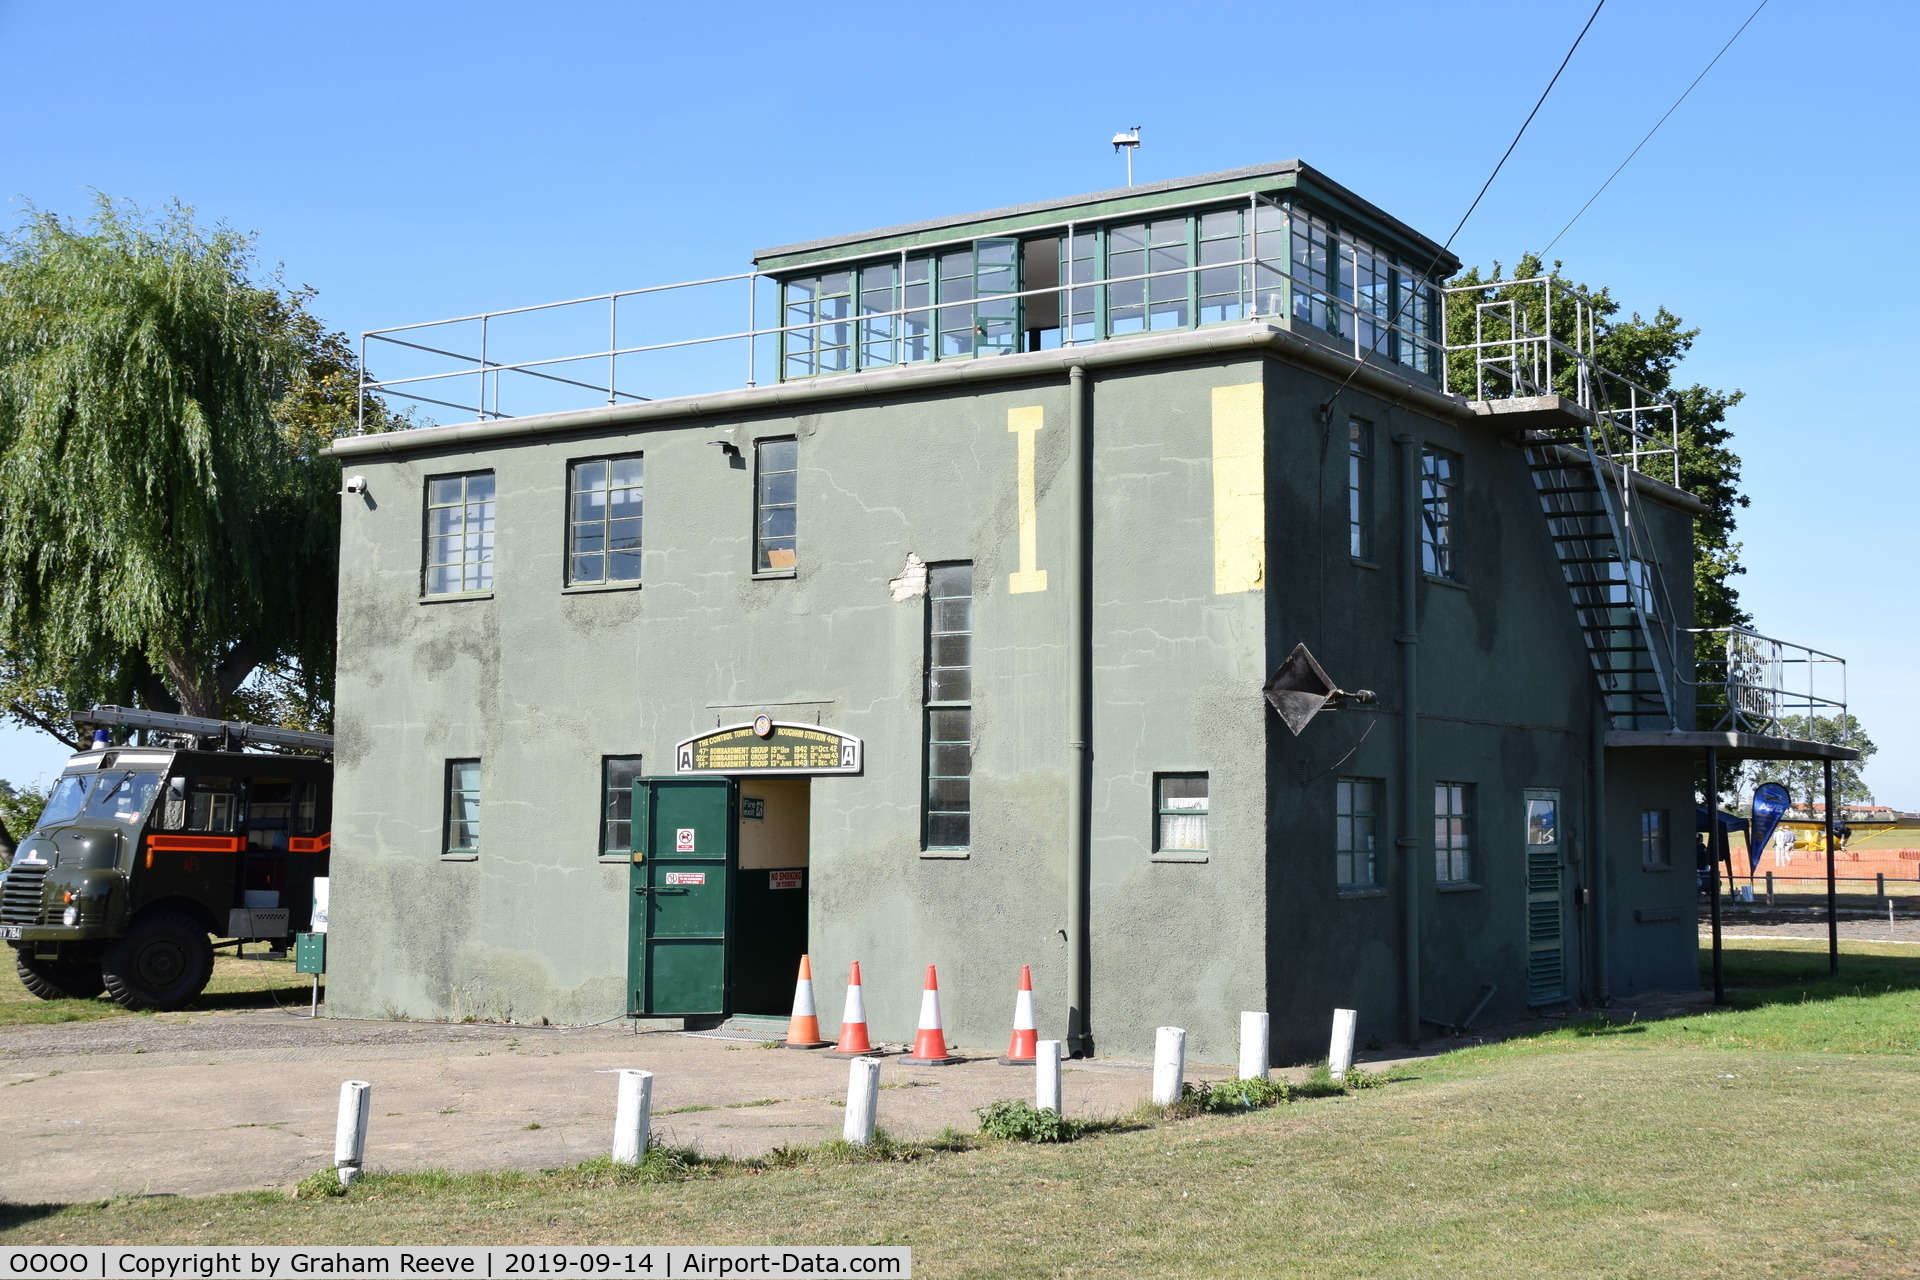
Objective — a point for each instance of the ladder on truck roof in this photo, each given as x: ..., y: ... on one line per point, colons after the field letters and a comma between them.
x: 232, y: 735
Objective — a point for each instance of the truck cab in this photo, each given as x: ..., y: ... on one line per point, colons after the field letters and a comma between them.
x: 146, y: 854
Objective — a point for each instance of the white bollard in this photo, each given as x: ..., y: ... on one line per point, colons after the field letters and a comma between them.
x: 1340, y: 1052
x: 1169, y: 1064
x: 632, y: 1116
x: 863, y: 1101
x: 350, y: 1133
x: 1253, y: 1045
x: 1046, y: 1076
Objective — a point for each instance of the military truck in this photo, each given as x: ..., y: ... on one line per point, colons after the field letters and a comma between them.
x: 146, y: 854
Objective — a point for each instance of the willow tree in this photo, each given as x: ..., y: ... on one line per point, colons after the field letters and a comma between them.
x: 168, y: 528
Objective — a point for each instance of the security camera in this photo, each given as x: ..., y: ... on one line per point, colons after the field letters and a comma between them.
x: 356, y: 484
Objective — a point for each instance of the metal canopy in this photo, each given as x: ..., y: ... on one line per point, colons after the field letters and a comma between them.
x: 1734, y: 746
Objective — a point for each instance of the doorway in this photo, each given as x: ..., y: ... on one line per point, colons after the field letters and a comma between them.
x: 770, y: 893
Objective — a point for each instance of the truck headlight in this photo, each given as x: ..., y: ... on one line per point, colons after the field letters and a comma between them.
x: 71, y: 916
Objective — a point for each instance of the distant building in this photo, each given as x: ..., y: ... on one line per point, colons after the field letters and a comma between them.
x: 950, y: 645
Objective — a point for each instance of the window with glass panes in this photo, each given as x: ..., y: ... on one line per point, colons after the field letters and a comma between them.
x: 817, y: 337
x: 776, y: 511
x: 949, y: 706
x: 1654, y: 849
x: 462, y: 833
x: 606, y: 505
x: 1452, y: 848
x: 1356, y: 819
x: 1439, y: 481
x: 459, y: 534
x: 1221, y: 289
x: 1316, y: 264
x: 1180, y: 813
x: 1359, y: 489
x: 617, y: 776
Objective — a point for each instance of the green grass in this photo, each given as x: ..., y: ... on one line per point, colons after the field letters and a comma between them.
x: 1780, y: 1138
x: 236, y: 984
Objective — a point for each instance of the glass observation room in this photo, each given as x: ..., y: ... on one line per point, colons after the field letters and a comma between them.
x: 1152, y: 272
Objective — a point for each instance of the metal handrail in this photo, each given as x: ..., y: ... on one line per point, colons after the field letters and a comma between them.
x: 1365, y: 326
x: 1754, y: 672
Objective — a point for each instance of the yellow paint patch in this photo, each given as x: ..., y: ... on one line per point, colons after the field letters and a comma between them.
x: 1239, y: 489
x: 1025, y: 423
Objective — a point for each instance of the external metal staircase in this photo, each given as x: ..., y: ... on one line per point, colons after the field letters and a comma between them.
x: 1613, y: 578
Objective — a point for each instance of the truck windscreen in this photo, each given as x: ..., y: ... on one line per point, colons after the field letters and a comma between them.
x: 122, y: 797
x: 65, y: 802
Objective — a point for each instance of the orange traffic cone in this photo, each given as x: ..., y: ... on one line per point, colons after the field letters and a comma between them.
x: 930, y: 1046
x: 803, y: 1031
x: 1024, y: 1047
x: 853, y: 1022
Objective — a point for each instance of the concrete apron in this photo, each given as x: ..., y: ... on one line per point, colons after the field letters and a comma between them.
x: 203, y: 1103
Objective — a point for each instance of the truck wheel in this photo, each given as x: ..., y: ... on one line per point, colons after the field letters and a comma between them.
x: 162, y: 963
x: 58, y: 979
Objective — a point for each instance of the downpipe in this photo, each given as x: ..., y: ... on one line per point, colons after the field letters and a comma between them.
x: 1079, y: 717
x: 1408, y: 642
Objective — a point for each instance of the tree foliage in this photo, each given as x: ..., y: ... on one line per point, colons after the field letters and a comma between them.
x: 19, y: 810
x: 1803, y: 778
x: 168, y: 526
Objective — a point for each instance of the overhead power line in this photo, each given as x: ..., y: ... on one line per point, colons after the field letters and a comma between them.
x: 1656, y: 128
x: 1326, y: 409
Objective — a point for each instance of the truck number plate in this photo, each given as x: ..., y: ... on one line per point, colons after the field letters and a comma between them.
x: 9, y: 931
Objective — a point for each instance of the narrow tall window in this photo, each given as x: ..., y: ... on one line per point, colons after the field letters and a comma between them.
x: 1359, y: 489
x: 1180, y: 813
x: 606, y: 509
x: 1452, y: 851
x: 463, y: 807
x: 1439, y: 478
x: 949, y: 706
x: 1356, y: 817
x: 460, y: 534
x: 776, y: 544
x: 617, y: 774
x: 1655, y: 853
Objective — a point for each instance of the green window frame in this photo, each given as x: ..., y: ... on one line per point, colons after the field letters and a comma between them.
x: 1180, y: 809
x: 1656, y: 849
x: 947, y: 820
x: 776, y: 506
x: 461, y: 823
x: 1439, y: 496
x: 606, y: 509
x: 617, y: 776
x: 1452, y: 832
x: 1356, y: 832
x: 458, y: 548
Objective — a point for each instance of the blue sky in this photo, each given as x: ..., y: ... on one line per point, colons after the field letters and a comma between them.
x: 420, y: 160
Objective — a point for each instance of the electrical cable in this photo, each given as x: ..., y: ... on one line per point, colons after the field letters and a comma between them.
x: 1656, y: 128
x: 1326, y: 410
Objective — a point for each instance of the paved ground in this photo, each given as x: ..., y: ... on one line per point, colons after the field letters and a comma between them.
x: 1811, y: 923
x: 231, y: 1101
x: 189, y: 1104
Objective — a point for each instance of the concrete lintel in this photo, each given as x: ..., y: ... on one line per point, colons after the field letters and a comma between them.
x: 1733, y: 746
x: 911, y: 380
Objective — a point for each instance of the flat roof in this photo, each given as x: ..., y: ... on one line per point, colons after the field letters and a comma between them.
x: 1121, y: 200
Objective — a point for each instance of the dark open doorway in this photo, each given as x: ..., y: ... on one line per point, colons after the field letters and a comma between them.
x: 770, y: 893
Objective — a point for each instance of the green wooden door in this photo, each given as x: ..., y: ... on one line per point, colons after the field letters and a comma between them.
x: 684, y: 856
x: 1546, y: 927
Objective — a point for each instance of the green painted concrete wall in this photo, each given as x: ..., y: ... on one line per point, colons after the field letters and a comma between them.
x: 541, y: 682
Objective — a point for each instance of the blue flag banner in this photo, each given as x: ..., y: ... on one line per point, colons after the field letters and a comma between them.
x: 1770, y: 802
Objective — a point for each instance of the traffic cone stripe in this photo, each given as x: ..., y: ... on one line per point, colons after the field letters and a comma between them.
x: 853, y: 1021
x: 803, y: 1029
x: 1024, y: 1046
x: 930, y: 1045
